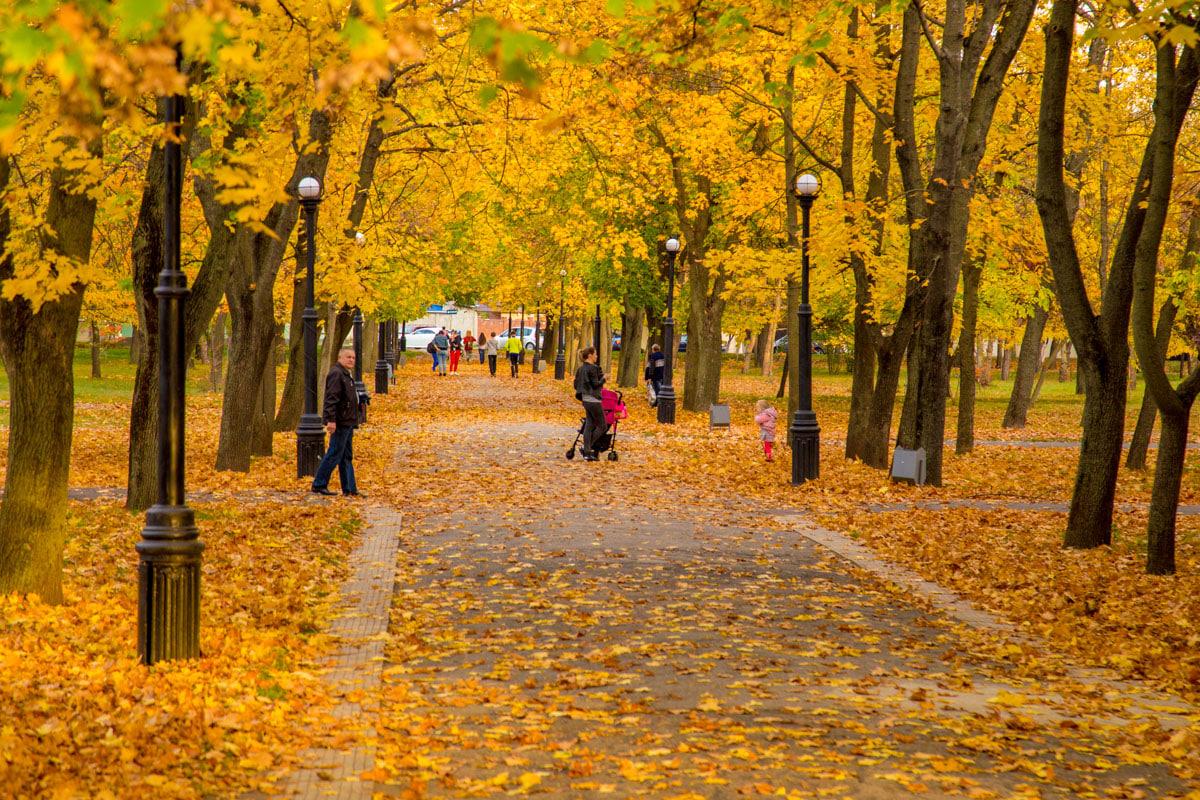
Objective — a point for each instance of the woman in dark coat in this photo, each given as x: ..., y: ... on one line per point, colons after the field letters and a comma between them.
x: 589, y: 380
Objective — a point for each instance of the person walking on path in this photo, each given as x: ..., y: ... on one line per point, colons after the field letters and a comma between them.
x: 766, y: 418
x: 469, y: 344
x: 441, y: 343
x: 483, y: 340
x: 656, y: 364
x: 493, y: 352
x: 340, y: 414
x: 589, y: 380
x: 456, y: 351
x: 513, y: 348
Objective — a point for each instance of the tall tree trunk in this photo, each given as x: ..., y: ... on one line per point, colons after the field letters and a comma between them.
x: 768, y: 362
x: 965, y: 435
x: 216, y: 349
x: 783, y: 382
x: 1027, y: 368
x: 1140, y: 443
x: 1008, y: 354
x: 1064, y: 362
x: 748, y: 346
x: 95, y: 348
x: 763, y: 349
x: 633, y: 317
x: 135, y: 344
x: 1045, y: 367
x: 37, y: 347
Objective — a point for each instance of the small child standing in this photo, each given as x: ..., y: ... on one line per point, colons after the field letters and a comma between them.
x: 766, y: 424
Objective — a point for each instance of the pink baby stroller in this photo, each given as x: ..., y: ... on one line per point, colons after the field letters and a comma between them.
x: 614, y: 411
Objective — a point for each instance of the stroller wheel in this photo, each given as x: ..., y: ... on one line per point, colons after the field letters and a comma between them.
x: 570, y: 454
x: 612, y: 455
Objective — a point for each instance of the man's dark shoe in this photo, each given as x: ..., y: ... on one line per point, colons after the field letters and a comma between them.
x: 325, y: 492
x: 353, y: 494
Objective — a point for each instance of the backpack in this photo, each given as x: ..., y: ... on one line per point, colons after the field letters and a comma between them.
x: 430, y: 349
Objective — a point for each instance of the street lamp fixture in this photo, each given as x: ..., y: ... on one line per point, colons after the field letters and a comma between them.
x: 560, y: 360
x: 168, y: 621
x: 310, y: 433
x: 804, y: 430
x: 666, y: 395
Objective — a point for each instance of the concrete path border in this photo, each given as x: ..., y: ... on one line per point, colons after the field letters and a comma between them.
x: 356, y: 667
x: 1171, y: 712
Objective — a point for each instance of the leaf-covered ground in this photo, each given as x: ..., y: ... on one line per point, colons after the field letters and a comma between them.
x: 647, y: 628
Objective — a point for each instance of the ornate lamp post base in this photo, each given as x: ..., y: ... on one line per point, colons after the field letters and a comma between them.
x: 560, y: 367
x: 310, y: 445
x: 805, y: 436
x: 666, y: 405
x: 169, y: 585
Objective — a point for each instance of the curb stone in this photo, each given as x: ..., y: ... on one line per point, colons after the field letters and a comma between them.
x: 1170, y: 712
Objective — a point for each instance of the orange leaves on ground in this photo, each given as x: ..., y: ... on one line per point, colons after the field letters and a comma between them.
x: 84, y: 718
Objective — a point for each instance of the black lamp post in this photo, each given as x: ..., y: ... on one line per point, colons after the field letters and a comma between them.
x: 521, y: 356
x: 403, y: 341
x: 596, y: 337
x: 804, y: 430
x: 560, y: 360
x: 359, y: 386
x: 666, y: 394
x: 381, y: 364
x: 310, y: 433
x: 169, y: 552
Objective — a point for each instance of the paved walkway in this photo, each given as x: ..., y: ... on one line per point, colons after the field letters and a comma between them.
x: 579, y: 630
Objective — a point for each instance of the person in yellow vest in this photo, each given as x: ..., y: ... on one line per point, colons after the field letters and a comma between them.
x: 513, y: 348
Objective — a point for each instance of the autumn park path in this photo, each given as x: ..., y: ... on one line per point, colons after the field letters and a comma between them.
x: 567, y: 629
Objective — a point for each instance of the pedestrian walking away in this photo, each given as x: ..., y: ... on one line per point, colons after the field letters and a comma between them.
x: 469, y: 343
x: 441, y: 343
x: 483, y: 342
x: 513, y: 348
x: 456, y: 351
x: 766, y: 418
x: 340, y: 414
x: 493, y: 352
x: 589, y: 382
x: 655, y: 367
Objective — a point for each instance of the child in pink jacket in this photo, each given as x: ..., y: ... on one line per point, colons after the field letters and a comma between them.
x: 766, y: 424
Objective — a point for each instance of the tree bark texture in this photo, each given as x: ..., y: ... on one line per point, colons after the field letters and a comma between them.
x: 1139, y: 444
x: 1101, y: 340
x: 1027, y: 368
x: 633, y: 317
x: 965, y: 434
x: 37, y: 347
x: 94, y: 334
x: 250, y: 293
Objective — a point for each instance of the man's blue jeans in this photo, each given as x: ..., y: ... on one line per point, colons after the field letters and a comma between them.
x: 341, y: 455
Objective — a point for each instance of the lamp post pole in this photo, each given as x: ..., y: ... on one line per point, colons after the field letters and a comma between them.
x: 666, y: 394
x: 804, y: 430
x: 521, y: 338
x: 359, y: 386
x: 310, y: 433
x: 537, y: 319
x: 381, y: 364
x: 560, y: 359
x: 168, y: 624
x: 403, y: 356
x: 596, y: 332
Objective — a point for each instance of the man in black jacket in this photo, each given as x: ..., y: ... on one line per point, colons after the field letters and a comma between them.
x: 341, y: 418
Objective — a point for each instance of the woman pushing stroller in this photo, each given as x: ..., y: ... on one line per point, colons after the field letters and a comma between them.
x: 589, y: 381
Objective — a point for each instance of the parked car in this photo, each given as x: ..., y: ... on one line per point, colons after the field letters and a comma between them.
x: 781, y: 345
x: 683, y: 343
x: 419, y: 338
x: 525, y: 333
x: 616, y: 342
